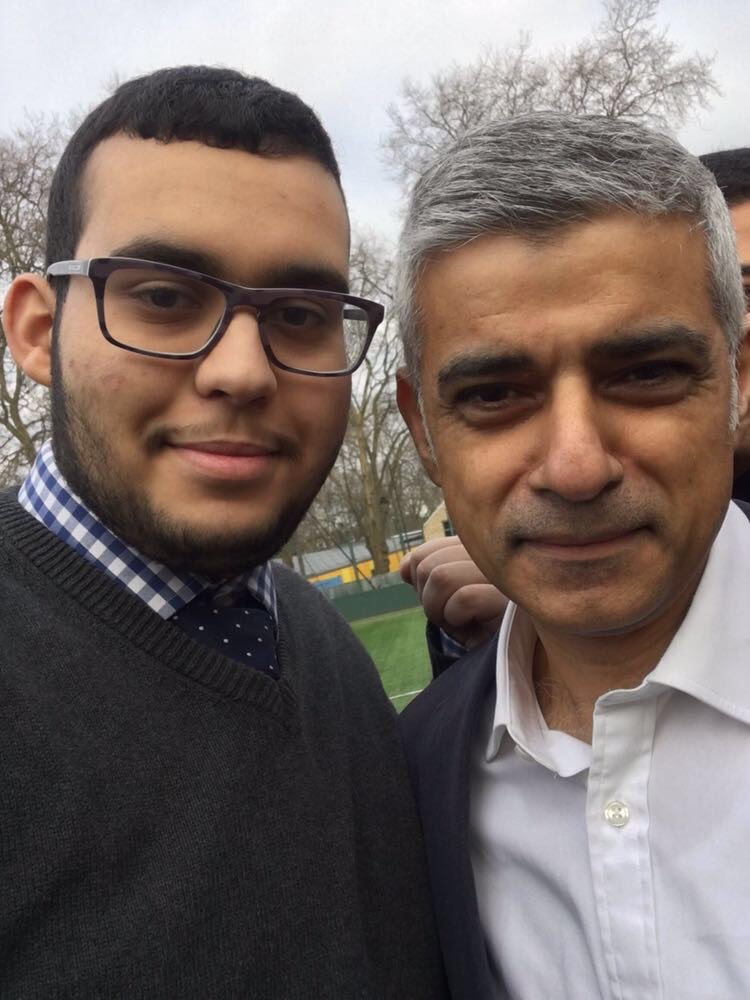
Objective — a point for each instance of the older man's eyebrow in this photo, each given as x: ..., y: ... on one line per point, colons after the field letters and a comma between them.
x: 633, y: 344
x: 620, y: 346
x: 294, y: 274
x: 493, y: 364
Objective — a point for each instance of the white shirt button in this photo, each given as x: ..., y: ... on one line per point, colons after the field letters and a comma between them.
x: 616, y: 814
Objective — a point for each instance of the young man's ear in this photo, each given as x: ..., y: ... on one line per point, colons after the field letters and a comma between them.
x: 28, y: 315
x: 408, y: 404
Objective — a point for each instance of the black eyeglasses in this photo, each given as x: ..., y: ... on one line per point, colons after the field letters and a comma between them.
x: 164, y: 311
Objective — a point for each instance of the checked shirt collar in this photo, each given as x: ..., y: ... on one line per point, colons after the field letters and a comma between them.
x: 46, y: 496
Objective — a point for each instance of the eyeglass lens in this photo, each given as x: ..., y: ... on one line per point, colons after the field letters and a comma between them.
x: 174, y: 314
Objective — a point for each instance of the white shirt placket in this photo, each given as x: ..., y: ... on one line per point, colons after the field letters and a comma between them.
x: 617, y: 819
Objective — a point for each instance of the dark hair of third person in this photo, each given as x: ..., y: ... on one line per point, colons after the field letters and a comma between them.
x: 731, y: 168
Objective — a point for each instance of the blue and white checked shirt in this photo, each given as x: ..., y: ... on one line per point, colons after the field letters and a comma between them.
x: 46, y: 496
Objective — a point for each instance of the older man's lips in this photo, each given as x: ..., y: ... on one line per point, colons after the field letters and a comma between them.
x: 578, y: 549
x: 231, y: 460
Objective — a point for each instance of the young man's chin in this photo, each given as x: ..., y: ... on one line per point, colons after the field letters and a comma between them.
x: 214, y: 550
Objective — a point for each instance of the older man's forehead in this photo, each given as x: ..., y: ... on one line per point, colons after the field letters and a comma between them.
x: 642, y: 274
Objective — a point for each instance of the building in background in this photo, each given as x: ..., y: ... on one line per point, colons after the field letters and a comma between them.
x: 350, y: 562
x: 438, y: 524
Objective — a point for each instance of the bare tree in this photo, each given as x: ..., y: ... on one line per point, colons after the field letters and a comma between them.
x: 376, y: 488
x: 499, y: 84
x: 27, y: 159
x: 631, y: 69
x: 627, y: 67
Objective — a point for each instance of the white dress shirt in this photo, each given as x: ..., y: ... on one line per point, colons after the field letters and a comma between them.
x: 621, y: 869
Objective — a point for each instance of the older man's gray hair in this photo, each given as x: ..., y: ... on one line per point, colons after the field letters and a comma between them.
x: 529, y: 175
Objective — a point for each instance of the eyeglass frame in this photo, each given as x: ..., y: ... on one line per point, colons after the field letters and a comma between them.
x: 98, y: 269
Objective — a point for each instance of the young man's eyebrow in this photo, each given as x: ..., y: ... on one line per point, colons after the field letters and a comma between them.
x: 493, y: 364
x: 292, y: 275
x: 166, y: 252
x: 627, y: 345
x: 319, y: 278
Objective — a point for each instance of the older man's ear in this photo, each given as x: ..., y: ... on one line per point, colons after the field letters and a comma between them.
x: 28, y: 316
x: 408, y: 403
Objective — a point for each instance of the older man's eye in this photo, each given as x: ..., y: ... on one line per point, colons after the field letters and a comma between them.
x: 652, y: 372
x: 659, y: 381
x: 492, y: 402
x: 489, y: 394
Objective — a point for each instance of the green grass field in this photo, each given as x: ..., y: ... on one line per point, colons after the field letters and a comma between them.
x: 397, y: 644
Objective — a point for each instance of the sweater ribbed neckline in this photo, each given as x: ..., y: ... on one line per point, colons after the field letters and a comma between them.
x: 119, y: 610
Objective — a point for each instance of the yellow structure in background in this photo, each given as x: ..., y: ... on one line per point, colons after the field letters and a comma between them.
x: 346, y: 573
x: 352, y: 562
x: 438, y: 524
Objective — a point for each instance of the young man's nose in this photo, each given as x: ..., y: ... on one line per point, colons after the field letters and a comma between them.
x: 237, y: 366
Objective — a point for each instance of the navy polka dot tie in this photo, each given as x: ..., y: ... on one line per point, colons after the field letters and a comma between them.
x: 245, y: 634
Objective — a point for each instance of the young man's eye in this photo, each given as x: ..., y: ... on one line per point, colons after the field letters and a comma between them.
x: 164, y: 297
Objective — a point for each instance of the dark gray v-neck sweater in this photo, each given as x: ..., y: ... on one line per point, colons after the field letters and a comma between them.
x: 173, y: 824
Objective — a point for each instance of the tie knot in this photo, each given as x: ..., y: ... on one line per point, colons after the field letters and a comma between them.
x: 244, y: 633
x: 226, y: 596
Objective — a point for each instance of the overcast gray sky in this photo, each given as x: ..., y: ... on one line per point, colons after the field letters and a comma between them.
x: 347, y: 59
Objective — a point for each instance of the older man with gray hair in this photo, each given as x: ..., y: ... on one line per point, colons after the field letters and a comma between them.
x: 572, y: 310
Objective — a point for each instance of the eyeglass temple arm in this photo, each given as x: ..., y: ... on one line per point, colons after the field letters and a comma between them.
x: 63, y: 267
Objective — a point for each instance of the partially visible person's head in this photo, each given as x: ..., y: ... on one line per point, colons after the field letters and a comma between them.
x: 206, y: 463
x: 572, y: 312
x: 731, y: 168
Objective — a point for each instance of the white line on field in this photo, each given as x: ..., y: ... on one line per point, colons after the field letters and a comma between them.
x: 406, y: 694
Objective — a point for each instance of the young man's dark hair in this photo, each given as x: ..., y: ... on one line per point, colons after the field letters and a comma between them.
x: 218, y: 107
x: 731, y: 168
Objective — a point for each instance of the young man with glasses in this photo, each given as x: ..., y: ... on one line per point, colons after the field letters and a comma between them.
x: 203, y: 787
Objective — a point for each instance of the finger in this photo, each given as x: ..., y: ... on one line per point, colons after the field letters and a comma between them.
x: 410, y: 565
x: 447, y: 569
x: 480, y: 605
x: 405, y: 568
x: 442, y: 584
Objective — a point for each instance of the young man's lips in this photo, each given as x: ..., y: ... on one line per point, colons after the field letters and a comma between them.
x: 226, y: 459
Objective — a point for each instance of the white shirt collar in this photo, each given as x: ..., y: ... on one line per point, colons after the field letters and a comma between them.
x: 708, y: 658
